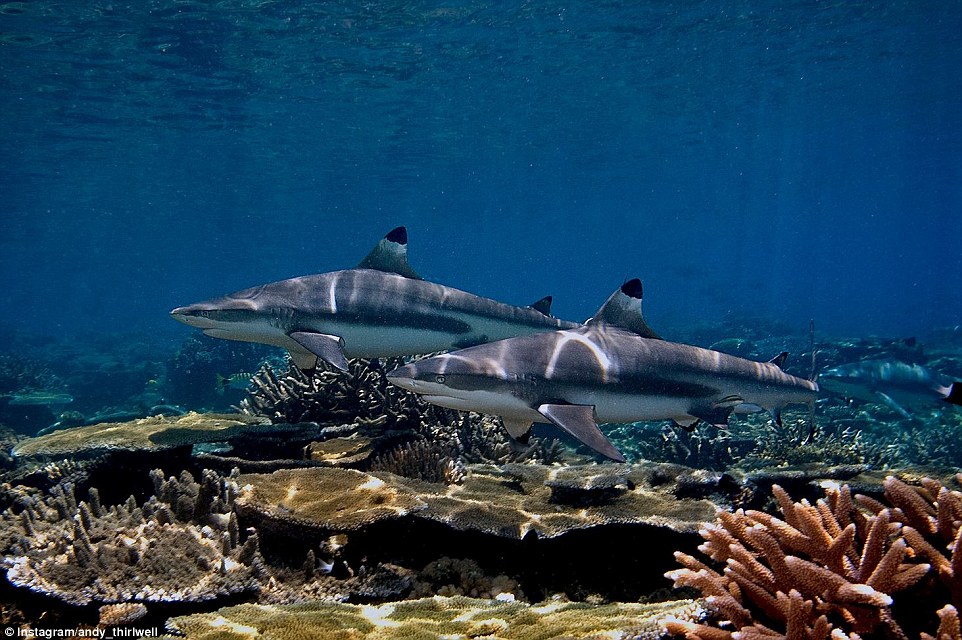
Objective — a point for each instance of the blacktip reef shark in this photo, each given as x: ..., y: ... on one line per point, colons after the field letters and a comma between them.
x: 381, y: 308
x: 891, y: 382
x: 605, y: 371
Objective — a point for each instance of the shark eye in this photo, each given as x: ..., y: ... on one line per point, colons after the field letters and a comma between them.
x: 439, y: 379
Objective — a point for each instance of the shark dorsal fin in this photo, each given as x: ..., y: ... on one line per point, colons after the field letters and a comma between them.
x: 391, y: 255
x: 779, y: 360
x: 542, y: 306
x: 623, y: 309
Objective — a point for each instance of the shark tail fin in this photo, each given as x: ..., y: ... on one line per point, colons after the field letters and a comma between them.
x: 623, y: 309
x: 221, y: 385
x: 391, y: 255
x: 955, y: 393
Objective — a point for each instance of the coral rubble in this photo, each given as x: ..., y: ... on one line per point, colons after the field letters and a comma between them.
x: 845, y: 566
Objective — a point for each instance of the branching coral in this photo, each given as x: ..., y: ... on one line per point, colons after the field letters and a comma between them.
x: 181, y: 545
x: 834, y: 568
x: 364, y: 398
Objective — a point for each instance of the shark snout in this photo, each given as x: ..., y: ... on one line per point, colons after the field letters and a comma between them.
x: 404, y: 377
x: 193, y: 316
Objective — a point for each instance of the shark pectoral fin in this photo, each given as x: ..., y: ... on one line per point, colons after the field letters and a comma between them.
x: 328, y: 348
x: 542, y: 306
x: 623, y: 309
x: 391, y: 255
x: 303, y: 359
x: 520, y: 430
x: 686, y: 422
x: 892, y: 404
x: 579, y: 421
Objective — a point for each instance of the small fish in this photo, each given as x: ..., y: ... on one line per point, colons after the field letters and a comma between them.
x: 233, y: 381
x: 48, y: 398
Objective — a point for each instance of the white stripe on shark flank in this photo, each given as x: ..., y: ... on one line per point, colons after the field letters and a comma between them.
x: 564, y: 337
x: 331, y: 300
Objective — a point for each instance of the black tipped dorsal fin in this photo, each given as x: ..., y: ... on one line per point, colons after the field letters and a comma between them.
x: 623, y: 309
x: 779, y: 360
x: 542, y: 306
x: 391, y: 255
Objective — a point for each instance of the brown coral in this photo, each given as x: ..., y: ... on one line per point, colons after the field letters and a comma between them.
x: 832, y: 568
x: 181, y: 545
x: 363, y: 398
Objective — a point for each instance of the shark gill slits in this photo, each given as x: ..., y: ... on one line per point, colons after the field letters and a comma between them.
x: 632, y: 288
x: 398, y: 235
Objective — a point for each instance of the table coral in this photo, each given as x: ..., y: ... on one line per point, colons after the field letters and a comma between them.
x: 332, y: 499
x: 834, y: 568
x: 455, y: 617
x: 156, y: 433
x: 508, y: 501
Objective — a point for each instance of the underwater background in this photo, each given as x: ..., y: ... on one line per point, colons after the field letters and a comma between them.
x: 789, y: 160
x: 782, y: 176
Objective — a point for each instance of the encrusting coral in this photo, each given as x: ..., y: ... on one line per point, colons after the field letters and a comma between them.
x: 833, y: 569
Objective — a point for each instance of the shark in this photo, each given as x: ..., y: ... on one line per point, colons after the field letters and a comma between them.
x: 891, y: 382
x: 606, y: 371
x: 381, y: 308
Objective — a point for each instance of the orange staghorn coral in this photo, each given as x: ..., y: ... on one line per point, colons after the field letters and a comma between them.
x: 833, y: 569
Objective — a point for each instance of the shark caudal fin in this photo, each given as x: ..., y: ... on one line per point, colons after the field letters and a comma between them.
x: 623, y: 309
x: 955, y: 393
x: 391, y: 255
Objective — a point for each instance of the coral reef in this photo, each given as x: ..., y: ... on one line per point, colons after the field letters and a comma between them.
x: 464, y: 577
x: 456, y: 617
x: 323, y: 498
x: 510, y: 501
x: 326, y: 396
x: 181, y: 545
x: 436, y: 441
x: 842, y: 567
x: 146, y: 434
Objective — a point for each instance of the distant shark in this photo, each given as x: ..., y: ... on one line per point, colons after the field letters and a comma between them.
x: 605, y: 371
x: 891, y: 382
x: 381, y: 308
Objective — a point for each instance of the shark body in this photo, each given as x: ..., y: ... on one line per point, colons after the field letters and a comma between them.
x: 899, y: 385
x: 605, y: 371
x: 379, y: 309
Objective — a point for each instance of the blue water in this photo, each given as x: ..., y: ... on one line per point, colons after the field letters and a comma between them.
x: 774, y: 160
